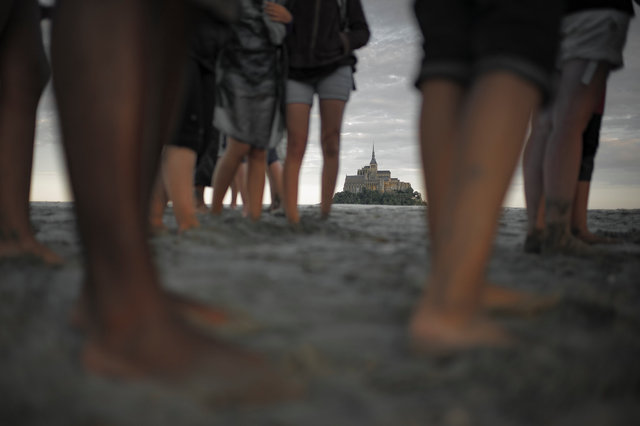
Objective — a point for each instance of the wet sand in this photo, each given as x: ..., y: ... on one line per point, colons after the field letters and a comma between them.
x: 331, y: 301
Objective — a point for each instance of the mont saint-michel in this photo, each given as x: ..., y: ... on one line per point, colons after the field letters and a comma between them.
x: 373, y: 186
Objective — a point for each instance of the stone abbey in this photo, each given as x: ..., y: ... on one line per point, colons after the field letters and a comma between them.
x: 369, y: 177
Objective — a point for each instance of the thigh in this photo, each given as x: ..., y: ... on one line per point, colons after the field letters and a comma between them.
x: 575, y: 101
x: 297, y: 123
x: 21, y: 50
x: 331, y: 113
x: 237, y: 150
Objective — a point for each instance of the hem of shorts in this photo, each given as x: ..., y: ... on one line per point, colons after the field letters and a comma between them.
x: 521, y: 67
x: 334, y: 98
x: 456, y: 71
x: 614, y: 63
x: 297, y: 101
x: 185, y: 142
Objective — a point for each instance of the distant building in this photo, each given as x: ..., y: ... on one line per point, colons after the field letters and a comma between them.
x: 369, y: 177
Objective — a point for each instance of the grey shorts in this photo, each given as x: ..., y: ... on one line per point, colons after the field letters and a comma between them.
x: 594, y: 35
x: 336, y: 85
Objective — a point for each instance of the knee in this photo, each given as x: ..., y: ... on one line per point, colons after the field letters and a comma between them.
x: 295, y: 150
x: 331, y: 145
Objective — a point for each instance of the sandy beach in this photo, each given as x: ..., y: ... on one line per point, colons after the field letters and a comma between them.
x: 332, y: 300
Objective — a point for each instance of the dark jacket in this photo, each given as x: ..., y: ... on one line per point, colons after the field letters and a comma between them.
x: 318, y: 41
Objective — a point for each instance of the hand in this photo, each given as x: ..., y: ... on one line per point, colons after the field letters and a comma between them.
x: 277, y: 13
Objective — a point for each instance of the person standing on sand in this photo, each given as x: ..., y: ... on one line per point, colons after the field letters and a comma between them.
x: 593, y: 35
x: 487, y: 66
x: 176, y: 180
x: 24, y: 72
x: 249, y: 94
x: 320, y: 47
x: 116, y: 96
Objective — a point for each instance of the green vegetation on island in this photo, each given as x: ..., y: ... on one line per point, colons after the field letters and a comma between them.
x: 407, y: 197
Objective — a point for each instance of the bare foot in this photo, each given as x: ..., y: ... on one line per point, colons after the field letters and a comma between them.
x: 588, y: 237
x: 437, y: 333
x: 186, y: 225
x: 501, y: 300
x: 157, y: 226
x: 195, y: 313
x: 202, y: 209
x: 174, y: 354
x: 293, y: 217
x: 29, y: 248
x: 559, y: 240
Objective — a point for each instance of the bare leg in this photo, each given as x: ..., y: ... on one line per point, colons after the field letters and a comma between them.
x: 159, y: 200
x: 579, y: 226
x: 492, y: 129
x: 133, y: 333
x: 201, y: 206
x: 573, y: 108
x: 23, y: 74
x: 177, y: 167
x: 331, y: 112
x: 438, y: 133
x: 255, y: 182
x: 274, y: 173
x: 532, y: 162
x: 438, y: 130
x: 234, y: 193
x: 241, y: 183
x: 297, y: 134
x: 226, y: 171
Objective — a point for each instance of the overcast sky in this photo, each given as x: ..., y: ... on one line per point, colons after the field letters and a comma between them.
x: 383, y: 111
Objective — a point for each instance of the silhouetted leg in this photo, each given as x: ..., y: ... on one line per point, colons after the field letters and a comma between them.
x: 102, y: 88
x: 532, y: 172
x: 573, y: 108
x: 24, y: 72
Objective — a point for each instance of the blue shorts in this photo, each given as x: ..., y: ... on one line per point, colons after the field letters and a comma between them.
x: 337, y: 85
x: 465, y: 38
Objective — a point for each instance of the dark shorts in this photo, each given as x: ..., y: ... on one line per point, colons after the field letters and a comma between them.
x: 195, y: 129
x: 465, y: 38
x: 190, y: 127
x: 272, y: 156
x: 590, y: 142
